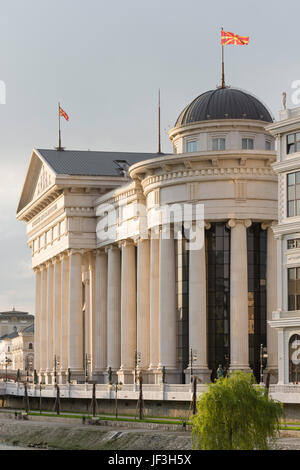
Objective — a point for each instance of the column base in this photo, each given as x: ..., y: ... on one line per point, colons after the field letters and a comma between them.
x: 99, y: 376
x: 273, y: 374
x: 172, y: 375
x: 114, y: 376
x: 48, y: 377
x: 241, y: 368
x: 154, y: 375
x: 77, y: 376
x: 126, y: 376
x: 62, y: 377
x: 203, y: 374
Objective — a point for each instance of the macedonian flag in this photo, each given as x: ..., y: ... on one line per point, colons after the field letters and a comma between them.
x: 235, y: 39
x: 63, y: 113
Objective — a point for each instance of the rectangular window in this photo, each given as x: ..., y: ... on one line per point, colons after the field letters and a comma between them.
x: 192, y: 146
x: 293, y: 194
x: 294, y: 289
x: 294, y: 243
x: 247, y: 144
x: 293, y: 143
x: 267, y: 145
x: 218, y: 143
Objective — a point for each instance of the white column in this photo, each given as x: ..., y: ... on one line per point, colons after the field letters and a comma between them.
x: 114, y: 309
x: 143, y: 302
x: 197, y: 309
x: 75, y: 316
x: 239, y: 349
x: 91, y: 350
x: 37, y: 319
x: 272, y: 334
x: 128, y: 312
x: 43, y: 323
x: 100, y: 332
x: 167, y: 306
x: 49, y: 320
x: 57, y: 308
x: 154, y: 301
x: 64, y: 319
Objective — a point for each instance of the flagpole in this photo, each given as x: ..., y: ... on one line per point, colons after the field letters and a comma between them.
x: 59, y: 133
x: 223, y: 73
x: 159, y: 143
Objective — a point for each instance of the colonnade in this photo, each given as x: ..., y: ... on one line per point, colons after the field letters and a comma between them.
x: 113, y: 310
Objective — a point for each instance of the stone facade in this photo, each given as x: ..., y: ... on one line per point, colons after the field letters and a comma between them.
x: 119, y: 288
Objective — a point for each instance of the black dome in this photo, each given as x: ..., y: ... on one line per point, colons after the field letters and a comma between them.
x: 224, y: 103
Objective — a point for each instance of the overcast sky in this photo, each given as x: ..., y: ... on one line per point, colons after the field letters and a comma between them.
x: 105, y: 60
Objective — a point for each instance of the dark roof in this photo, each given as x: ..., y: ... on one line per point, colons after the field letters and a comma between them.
x: 224, y: 103
x: 90, y: 163
x: 28, y: 329
x: 15, y: 313
x: 11, y: 335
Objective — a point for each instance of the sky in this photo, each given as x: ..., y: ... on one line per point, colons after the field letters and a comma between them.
x: 105, y: 61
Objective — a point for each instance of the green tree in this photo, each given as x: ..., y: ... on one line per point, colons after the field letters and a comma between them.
x: 235, y: 414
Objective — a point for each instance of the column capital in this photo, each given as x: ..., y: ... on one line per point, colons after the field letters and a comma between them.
x: 74, y: 251
x: 111, y: 248
x: 100, y: 252
x: 126, y: 243
x: 233, y: 223
x: 267, y: 224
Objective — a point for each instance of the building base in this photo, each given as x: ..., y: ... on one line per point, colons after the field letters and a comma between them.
x: 126, y: 376
x: 203, y: 375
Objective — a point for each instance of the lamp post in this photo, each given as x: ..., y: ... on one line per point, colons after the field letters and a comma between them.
x: 115, y: 387
x: 137, y: 361
x: 263, y: 355
x: 56, y: 365
x: 28, y: 367
x: 87, y: 363
x: 193, y: 357
x: 7, y: 361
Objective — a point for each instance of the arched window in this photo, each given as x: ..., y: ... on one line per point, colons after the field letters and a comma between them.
x: 30, y: 346
x: 294, y: 358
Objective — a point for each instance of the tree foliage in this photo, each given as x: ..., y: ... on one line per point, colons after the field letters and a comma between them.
x: 235, y: 414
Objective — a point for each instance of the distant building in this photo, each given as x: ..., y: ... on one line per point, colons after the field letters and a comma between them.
x: 14, y: 320
x: 22, y: 348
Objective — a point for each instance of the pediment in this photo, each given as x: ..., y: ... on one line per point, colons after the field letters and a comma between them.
x: 40, y: 177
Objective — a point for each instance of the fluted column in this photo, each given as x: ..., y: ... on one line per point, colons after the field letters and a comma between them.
x: 100, y: 332
x: 167, y: 306
x: 114, y: 309
x: 37, y: 319
x: 128, y: 312
x: 143, y: 303
x: 197, y: 309
x: 91, y: 351
x: 154, y: 305
x: 272, y: 340
x: 64, y: 318
x: 43, y: 323
x: 49, y: 342
x: 239, y: 342
x: 57, y: 308
x: 75, y: 316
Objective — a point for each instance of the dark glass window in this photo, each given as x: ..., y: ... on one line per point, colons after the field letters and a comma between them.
x: 293, y: 194
x: 182, y: 295
x: 218, y: 295
x: 294, y: 289
x: 267, y: 145
x: 293, y: 143
x: 247, y: 144
x: 257, y: 314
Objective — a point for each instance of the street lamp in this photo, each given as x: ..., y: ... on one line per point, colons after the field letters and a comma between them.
x: 87, y: 363
x: 193, y: 357
x: 28, y: 367
x: 115, y: 387
x: 263, y: 355
x: 137, y: 361
x: 56, y: 365
x: 7, y: 361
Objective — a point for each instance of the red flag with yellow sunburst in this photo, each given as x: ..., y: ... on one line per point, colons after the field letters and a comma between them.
x: 235, y: 39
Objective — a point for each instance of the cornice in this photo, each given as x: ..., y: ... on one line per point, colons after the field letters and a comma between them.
x: 287, y: 165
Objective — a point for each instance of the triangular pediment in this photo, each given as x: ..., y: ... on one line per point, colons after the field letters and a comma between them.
x: 40, y: 177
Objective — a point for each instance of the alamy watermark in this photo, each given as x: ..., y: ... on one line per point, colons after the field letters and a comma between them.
x: 135, y: 220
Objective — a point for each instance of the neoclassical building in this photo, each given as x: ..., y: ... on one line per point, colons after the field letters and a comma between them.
x: 120, y: 285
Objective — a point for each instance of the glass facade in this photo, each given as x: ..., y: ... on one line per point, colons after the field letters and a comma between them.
x: 182, y: 295
x: 218, y: 295
x: 294, y: 289
x: 257, y: 309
